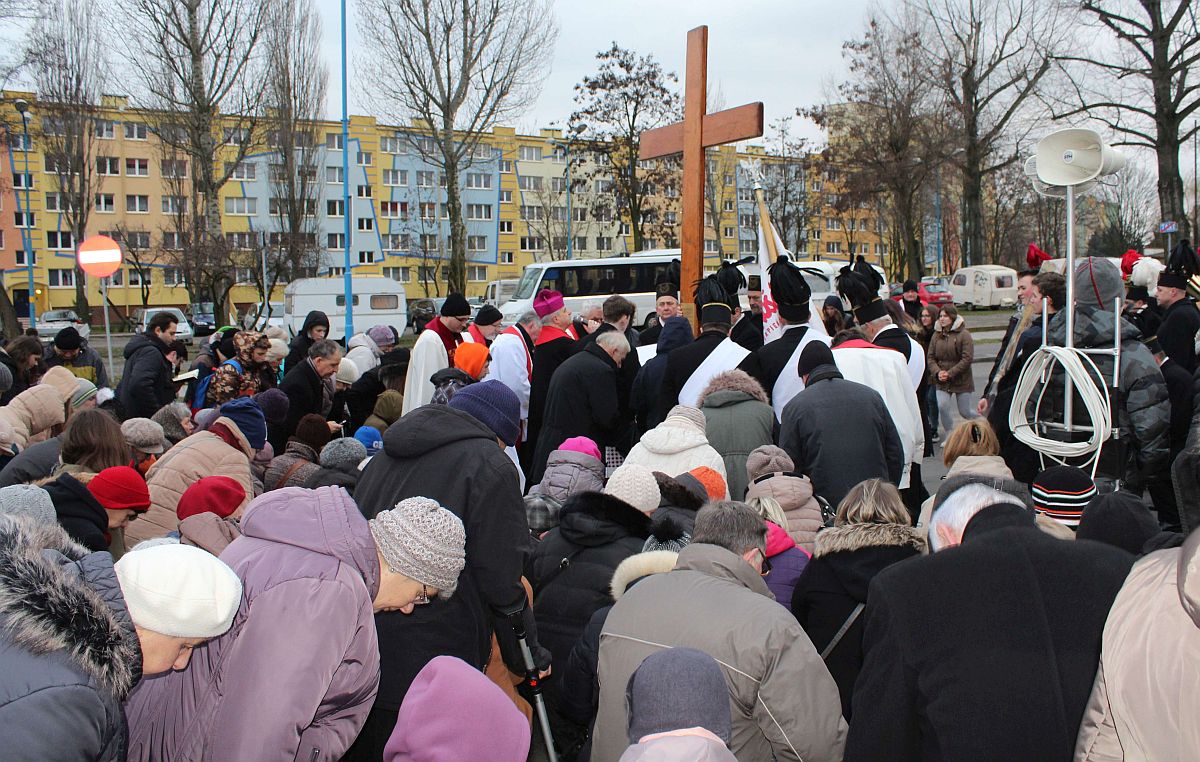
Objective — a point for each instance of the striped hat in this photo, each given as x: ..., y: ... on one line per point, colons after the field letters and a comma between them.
x: 1061, y: 492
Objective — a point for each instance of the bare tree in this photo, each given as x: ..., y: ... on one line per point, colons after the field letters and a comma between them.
x: 786, y: 185
x: 628, y: 95
x: 139, y: 259
x: 457, y: 68
x: 1142, y: 89
x: 1007, y: 193
x: 1127, y: 212
x: 200, y: 74
x: 66, y: 60
x: 293, y: 103
x: 989, y: 58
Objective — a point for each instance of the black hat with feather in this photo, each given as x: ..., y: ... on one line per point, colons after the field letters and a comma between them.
x: 789, y: 290
x: 668, y: 282
x: 713, y: 303
x: 1182, y: 265
x: 860, y: 292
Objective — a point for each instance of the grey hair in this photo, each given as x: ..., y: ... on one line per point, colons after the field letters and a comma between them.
x: 549, y: 319
x: 613, y: 340
x: 960, y: 506
x: 732, y: 525
x: 880, y: 322
x: 325, y: 348
x: 529, y: 319
x: 590, y: 305
x: 179, y: 410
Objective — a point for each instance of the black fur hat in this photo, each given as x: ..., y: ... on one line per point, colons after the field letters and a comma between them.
x: 1182, y: 265
x: 860, y: 292
x: 789, y: 290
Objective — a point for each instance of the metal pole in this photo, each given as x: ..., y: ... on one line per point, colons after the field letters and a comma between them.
x: 107, y: 327
x: 570, y: 236
x: 937, y: 203
x: 28, y: 223
x: 347, y: 280
x: 1069, y: 391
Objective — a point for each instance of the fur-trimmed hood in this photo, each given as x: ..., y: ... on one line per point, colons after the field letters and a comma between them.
x: 641, y: 565
x: 859, y: 536
x: 56, y: 596
x: 594, y: 518
x: 732, y: 381
x: 684, y: 491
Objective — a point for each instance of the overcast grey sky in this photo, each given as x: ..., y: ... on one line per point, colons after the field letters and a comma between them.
x: 782, y: 52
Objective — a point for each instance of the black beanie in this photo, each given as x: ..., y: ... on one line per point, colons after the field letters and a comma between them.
x: 488, y: 315
x: 456, y: 306
x: 814, y: 354
x: 1119, y: 519
x: 68, y: 339
x: 910, y: 285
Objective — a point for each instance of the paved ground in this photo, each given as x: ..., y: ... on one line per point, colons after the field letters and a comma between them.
x: 932, y: 469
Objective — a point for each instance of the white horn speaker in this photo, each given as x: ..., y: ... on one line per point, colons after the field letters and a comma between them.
x: 1045, y: 189
x: 1074, y: 157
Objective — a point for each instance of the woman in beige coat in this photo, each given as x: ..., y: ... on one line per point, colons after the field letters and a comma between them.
x: 948, y: 363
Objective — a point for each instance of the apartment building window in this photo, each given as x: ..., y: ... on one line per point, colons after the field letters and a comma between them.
x: 333, y: 175
x: 425, y: 178
x: 881, y: 249
x: 710, y: 246
x: 395, y: 177
x: 335, y: 208
x: 506, y: 226
x: 624, y: 229
x: 364, y: 191
x: 479, y: 181
x: 506, y: 257
x: 429, y: 242
x: 479, y: 211
x: 137, y: 167
x: 60, y: 239
x: 135, y: 131
x: 604, y: 214
x: 530, y: 212
x: 20, y: 141
x: 366, y: 224
x: 23, y: 180
x: 137, y: 239
x: 814, y: 234
x: 505, y: 197
x: 832, y: 224
x: 106, y: 129
x: 174, y: 168
x: 529, y: 182
x: 747, y: 246
x: 506, y: 167
x: 671, y: 191
x: 558, y: 213
x: 604, y: 185
x: 400, y: 274
x: 365, y: 159
x: 428, y: 210
x: 393, y: 210
x: 581, y: 243
x: 604, y: 243
x: 335, y: 272
x: 138, y: 204
x: 241, y: 206
x: 443, y: 211
x: 833, y: 247
x: 391, y: 144
x: 729, y: 232
x: 56, y: 202
x: 173, y: 276
x: 336, y: 241
x: 746, y: 195
x: 60, y: 278
x: 558, y: 184
x: 237, y: 136
x: 172, y: 241
x: 530, y: 153
x: 239, y: 240
x: 242, y: 171
x: 476, y: 273
x: 427, y: 272
x: 531, y: 243
x: 746, y: 221
x: 333, y: 141
x: 477, y: 243
x: 366, y: 257
x: 21, y: 256
x: 396, y: 241
x: 174, y: 205
x: 727, y: 206
x: 105, y: 203
x: 671, y: 218
x: 427, y: 144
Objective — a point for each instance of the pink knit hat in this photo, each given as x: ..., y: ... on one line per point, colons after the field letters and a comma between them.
x: 547, y: 302
x: 582, y: 445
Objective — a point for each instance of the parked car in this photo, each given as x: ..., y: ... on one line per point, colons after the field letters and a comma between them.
x: 183, y: 331
x: 930, y: 293
x: 272, y: 315
x: 203, y: 319
x: 53, y: 321
x: 421, y: 311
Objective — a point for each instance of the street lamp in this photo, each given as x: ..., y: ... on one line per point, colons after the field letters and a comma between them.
x: 347, y: 280
x: 27, y: 232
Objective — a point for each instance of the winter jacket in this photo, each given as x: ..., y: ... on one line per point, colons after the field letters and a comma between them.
x: 33, y: 412
x: 386, y: 412
x: 446, y: 455
x: 202, y: 454
x: 19, y: 382
x: 306, y: 394
x: 295, y: 675
x: 1143, y: 411
x: 794, y: 493
x: 87, y: 364
x: 298, y: 349
x: 864, y: 443
x: 574, y: 563
x: 674, y: 449
x: 583, y: 400
x: 208, y: 531
x: 363, y: 352
x: 1143, y: 702
x: 446, y: 382
x: 936, y: 660
x: 551, y: 350
x: 242, y: 379
x: 569, y: 473
x: 953, y: 351
x: 681, y: 364
x: 787, y: 563
x: 37, y: 461
x: 145, y: 384
x: 990, y: 465
x: 647, y: 385
x: 1185, y: 471
x: 344, y: 476
x: 846, y: 559
x: 689, y: 745
x: 1177, y: 333
x: 68, y: 650
x: 739, y: 420
x: 80, y: 514
x: 782, y: 699
x: 293, y: 468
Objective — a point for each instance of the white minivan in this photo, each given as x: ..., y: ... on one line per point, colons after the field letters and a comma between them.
x: 376, y: 300
x: 984, y: 286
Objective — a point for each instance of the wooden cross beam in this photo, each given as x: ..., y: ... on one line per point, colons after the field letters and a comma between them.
x: 697, y: 131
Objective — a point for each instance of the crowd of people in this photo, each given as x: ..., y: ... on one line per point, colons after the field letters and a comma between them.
x: 712, y: 541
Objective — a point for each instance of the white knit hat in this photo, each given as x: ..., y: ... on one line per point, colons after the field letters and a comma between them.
x: 635, y: 485
x: 686, y: 416
x: 423, y: 541
x: 179, y: 591
x: 347, y: 372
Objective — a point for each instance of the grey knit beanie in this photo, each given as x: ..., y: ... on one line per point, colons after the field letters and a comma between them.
x: 346, y: 451
x: 423, y: 541
x: 28, y: 502
x: 684, y: 415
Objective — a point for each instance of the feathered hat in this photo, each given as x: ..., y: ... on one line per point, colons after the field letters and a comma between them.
x: 789, y: 290
x: 1143, y: 279
x: 1034, y: 257
x: 1182, y: 265
x: 668, y: 283
x: 863, y: 298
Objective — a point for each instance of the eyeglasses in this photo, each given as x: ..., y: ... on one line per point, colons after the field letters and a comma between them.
x: 766, y: 565
x: 423, y: 598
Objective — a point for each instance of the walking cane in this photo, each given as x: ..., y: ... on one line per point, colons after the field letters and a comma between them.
x: 534, y: 681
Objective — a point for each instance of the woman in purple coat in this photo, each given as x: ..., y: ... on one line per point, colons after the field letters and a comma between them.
x: 786, y: 559
x: 296, y: 674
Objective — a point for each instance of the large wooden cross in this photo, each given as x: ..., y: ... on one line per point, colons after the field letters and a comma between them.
x: 698, y: 130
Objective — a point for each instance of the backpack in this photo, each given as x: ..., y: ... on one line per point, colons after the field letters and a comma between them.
x: 199, y: 403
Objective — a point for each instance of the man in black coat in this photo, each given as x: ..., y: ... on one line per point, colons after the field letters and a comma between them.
x: 454, y: 455
x: 987, y: 649
x: 682, y: 363
x: 584, y: 399
x: 748, y: 330
x: 305, y: 385
x: 618, y: 317
x: 1180, y: 321
x: 838, y: 432
x: 551, y: 349
x: 314, y: 328
x: 145, y: 384
x: 1179, y: 393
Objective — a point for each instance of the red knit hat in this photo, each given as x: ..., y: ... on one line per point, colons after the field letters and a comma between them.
x: 120, y: 488
x: 212, y: 494
x: 713, y: 483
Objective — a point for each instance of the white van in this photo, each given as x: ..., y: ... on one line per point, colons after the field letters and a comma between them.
x: 985, y: 286
x: 500, y: 291
x: 377, y: 301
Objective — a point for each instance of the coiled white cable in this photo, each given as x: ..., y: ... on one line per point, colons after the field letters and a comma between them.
x: 1080, y: 368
